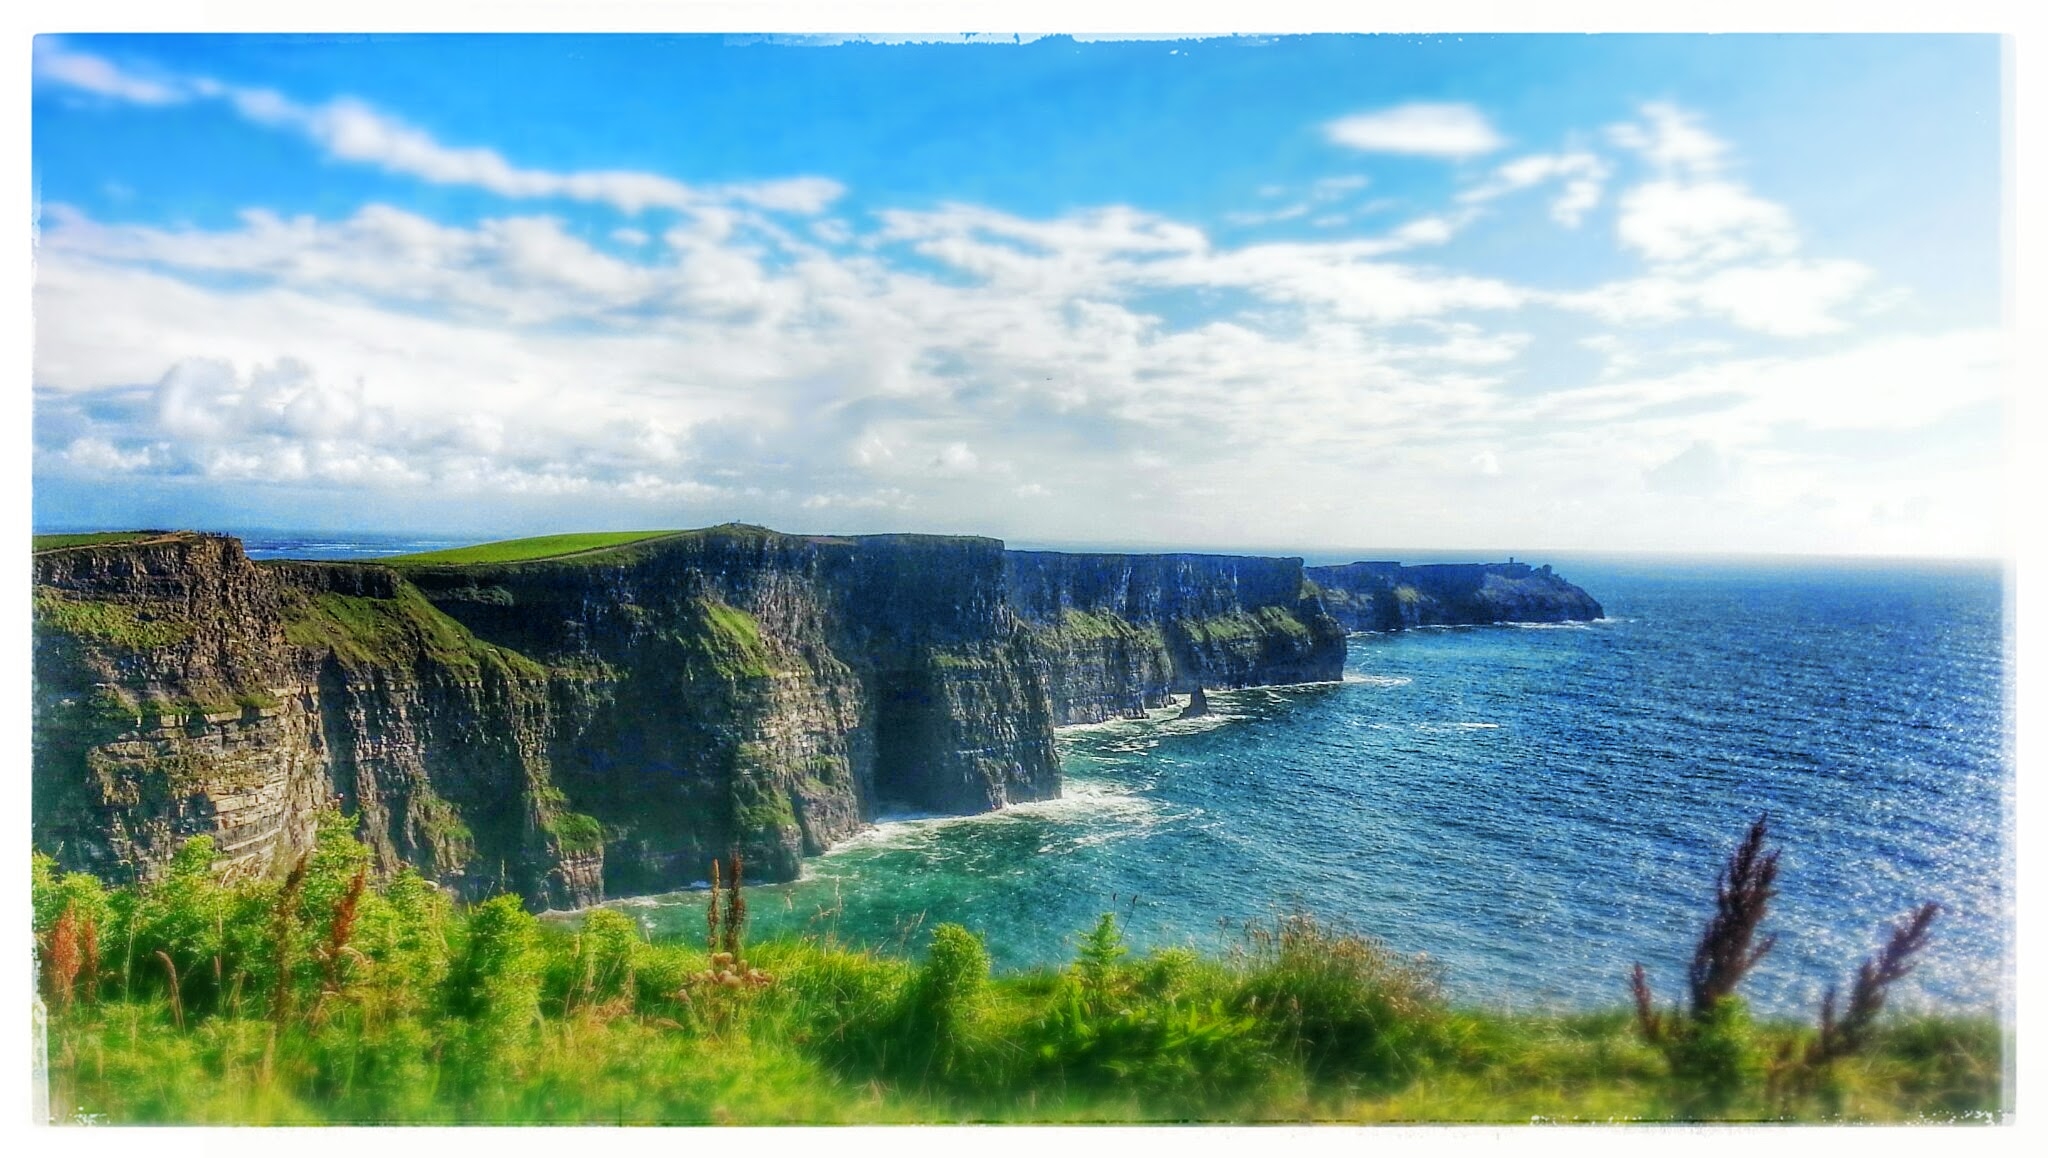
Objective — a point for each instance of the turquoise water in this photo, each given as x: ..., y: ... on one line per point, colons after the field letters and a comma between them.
x: 1533, y: 807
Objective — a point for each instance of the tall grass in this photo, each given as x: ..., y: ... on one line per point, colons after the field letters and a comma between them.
x: 333, y: 996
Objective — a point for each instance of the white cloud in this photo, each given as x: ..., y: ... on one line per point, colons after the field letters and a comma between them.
x: 1426, y: 231
x: 1422, y: 129
x: 1581, y: 174
x: 805, y: 195
x: 1690, y: 224
x: 100, y: 77
x: 956, y: 458
x: 1789, y: 299
x: 1256, y: 217
x: 98, y: 456
x: 1792, y: 299
x: 945, y: 359
x: 1889, y: 384
x: 1698, y: 469
x: 351, y: 130
x: 1673, y: 140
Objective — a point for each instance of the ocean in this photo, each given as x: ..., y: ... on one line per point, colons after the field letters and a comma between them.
x: 1535, y: 808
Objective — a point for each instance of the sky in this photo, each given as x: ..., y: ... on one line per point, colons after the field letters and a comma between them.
x: 1599, y: 293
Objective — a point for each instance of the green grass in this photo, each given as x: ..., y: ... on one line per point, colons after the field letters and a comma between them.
x: 576, y: 833
x: 1244, y: 626
x: 723, y: 641
x: 413, y: 1010
x: 526, y: 550
x: 369, y: 632
x: 92, y: 539
x: 1082, y: 628
x: 106, y: 621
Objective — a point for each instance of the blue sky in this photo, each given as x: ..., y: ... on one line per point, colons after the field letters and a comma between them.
x: 1727, y: 293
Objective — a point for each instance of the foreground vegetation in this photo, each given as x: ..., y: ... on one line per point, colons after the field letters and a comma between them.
x: 330, y: 997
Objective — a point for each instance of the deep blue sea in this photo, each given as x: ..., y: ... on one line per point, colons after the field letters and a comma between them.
x: 1534, y: 808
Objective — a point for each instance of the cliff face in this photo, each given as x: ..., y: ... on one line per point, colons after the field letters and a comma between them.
x: 765, y: 692
x: 1389, y: 596
x: 168, y: 703
x: 607, y: 723
x: 183, y: 690
x: 1115, y: 634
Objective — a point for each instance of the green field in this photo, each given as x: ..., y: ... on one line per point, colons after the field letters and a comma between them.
x: 526, y: 550
x: 92, y: 539
x: 334, y: 996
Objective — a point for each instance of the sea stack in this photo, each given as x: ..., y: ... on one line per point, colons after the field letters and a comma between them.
x: 1198, y: 705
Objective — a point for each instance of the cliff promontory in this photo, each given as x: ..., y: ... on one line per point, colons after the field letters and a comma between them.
x: 1390, y: 596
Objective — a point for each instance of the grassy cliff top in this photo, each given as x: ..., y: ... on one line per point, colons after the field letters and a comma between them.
x: 527, y: 550
x: 96, y: 539
x: 603, y: 546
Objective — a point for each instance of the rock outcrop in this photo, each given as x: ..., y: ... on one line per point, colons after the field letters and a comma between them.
x: 1390, y: 596
x: 605, y: 723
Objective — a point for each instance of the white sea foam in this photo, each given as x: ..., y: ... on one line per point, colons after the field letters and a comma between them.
x: 1121, y: 723
x: 1160, y: 721
x: 1377, y: 681
x: 1078, y: 799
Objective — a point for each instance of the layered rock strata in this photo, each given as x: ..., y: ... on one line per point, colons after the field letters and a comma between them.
x: 605, y: 723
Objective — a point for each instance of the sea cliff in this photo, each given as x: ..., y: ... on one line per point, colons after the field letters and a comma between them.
x: 1391, y: 596
x: 605, y: 722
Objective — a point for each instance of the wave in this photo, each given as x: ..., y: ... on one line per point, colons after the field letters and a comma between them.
x: 1077, y: 800
x: 1377, y: 681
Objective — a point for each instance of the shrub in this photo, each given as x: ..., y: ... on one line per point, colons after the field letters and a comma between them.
x: 1140, y: 1030
x: 495, y: 985
x: 182, y: 919
x: 1715, y: 1059
x: 948, y: 990
x: 606, y: 950
x: 404, y: 931
x: 1347, y: 1006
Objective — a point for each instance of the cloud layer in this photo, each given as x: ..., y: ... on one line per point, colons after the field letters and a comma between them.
x: 738, y: 350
